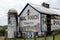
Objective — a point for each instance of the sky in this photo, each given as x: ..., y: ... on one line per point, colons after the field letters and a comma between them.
x: 5, y: 5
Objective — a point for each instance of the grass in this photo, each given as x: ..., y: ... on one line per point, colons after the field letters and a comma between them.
x: 57, y: 37
x: 1, y: 38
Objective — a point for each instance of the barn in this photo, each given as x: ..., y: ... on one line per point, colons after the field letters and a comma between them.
x: 38, y: 18
x: 34, y: 20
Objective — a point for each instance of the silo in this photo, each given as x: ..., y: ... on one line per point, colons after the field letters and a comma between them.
x: 12, y: 22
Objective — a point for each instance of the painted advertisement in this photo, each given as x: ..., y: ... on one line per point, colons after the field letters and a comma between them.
x: 30, y: 23
x: 55, y: 23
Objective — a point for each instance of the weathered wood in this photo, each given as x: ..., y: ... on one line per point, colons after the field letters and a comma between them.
x: 5, y: 36
x: 14, y: 35
x: 45, y: 36
x: 34, y: 36
x: 53, y: 35
x: 24, y: 37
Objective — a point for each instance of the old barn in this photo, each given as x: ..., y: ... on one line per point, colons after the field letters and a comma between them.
x: 36, y: 19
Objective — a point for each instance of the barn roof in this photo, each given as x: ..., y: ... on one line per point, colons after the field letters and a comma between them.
x: 41, y: 9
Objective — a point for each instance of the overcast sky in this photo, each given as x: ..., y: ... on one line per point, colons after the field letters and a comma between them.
x: 5, y: 5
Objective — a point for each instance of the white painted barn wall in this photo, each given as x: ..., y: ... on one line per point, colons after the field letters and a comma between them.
x: 55, y: 26
x: 44, y: 22
x: 32, y: 12
x: 34, y: 21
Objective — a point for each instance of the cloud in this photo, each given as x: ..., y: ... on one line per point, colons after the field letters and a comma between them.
x: 3, y: 20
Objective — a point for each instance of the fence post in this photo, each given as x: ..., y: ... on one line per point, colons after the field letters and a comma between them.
x: 45, y: 35
x: 24, y: 36
x: 34, y: 36
x: 53, y: 35
x: 14, y: 35
x: 5, y: 36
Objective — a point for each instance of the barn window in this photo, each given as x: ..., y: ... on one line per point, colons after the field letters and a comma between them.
x: 28, y: 11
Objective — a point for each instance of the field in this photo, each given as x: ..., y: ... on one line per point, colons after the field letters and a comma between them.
x: 57, y: 37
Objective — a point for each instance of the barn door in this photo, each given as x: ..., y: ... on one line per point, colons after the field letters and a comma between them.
x: 49, y: 23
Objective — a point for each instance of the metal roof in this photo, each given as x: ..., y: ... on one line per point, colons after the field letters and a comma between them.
x: 41, y: 9
x: 45, y: 10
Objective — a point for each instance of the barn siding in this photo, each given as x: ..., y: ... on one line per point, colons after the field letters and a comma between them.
x: 35, y: 23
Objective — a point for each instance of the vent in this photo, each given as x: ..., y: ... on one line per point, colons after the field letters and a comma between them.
x: 28, y: 11
x: 45, y: 5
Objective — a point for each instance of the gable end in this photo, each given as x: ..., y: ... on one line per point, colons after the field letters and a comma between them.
x: 23, y: 9
x: 26, y: 7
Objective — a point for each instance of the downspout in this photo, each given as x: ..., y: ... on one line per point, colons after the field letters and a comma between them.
x: 41, y: 22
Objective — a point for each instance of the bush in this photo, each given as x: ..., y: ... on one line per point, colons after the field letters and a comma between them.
x: 2, y: 32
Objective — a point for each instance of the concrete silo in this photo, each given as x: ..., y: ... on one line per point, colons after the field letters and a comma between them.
x: 12, y: 23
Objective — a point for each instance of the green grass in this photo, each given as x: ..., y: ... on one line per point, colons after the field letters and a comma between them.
x: 57, y: 37
x: 1, y: 38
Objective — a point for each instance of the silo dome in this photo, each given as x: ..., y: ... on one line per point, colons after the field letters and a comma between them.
x: 12, y: 11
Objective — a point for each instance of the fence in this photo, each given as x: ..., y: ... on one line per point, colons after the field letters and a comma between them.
x: 54, y: 36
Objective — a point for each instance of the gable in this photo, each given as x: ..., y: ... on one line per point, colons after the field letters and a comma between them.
x: 41, y: 9
x: 31, y: 11
x: 26, y: 8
